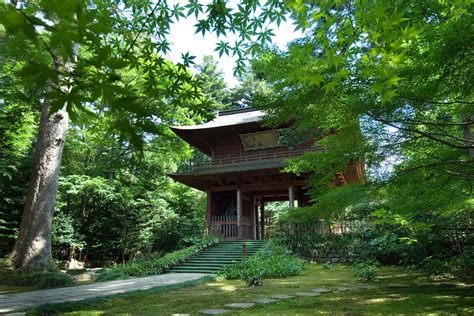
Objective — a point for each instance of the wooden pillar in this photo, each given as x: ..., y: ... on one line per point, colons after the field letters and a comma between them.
x: 262, y: 220
x: 208, y: 211
x: 254, y: 222
x: 257, y: 225
x: 239, y: 214
x: 291, y: 197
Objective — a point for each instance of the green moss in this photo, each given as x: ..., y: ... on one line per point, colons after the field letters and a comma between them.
x: 39, y: 280
x: 436, y: 298
x: 9, y: 289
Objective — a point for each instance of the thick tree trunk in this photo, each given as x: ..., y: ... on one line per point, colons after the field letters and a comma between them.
x: 32, y: 249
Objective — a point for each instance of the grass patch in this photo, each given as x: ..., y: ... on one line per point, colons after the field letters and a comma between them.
x: 10, y: 289
x: 154, y: 265
x: 435, y: 298
x: 60, y: 308
x: 38, y: 279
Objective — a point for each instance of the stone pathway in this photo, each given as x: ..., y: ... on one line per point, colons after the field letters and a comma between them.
x: 12, y: 303
x: 276, y: 298
x: 311, y: 293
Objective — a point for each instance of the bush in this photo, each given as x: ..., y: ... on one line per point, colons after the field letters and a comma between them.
x: 76, y: 271
x: 53, y: 279
x: 366, y: 271
x: 273, y: 261
x: 6, y: 265
x: 40, y: 280
x: 156, y: 264
x: 111, y: 275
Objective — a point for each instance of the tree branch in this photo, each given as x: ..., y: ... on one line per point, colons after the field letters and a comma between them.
x: 435, y: 102
x: 141, y: 28
x: 427, y: 135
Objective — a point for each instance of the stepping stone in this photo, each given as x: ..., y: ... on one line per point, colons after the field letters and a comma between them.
x: 214, y: 311
x: 342, y: 289
x: 364, y: 287
x: 265, y: 300
x: 321, y: 290
x: 427, y: 284
x: 239, y: 305
x: 397, y: 285
x: 307, y: 294
x: 282, y: 297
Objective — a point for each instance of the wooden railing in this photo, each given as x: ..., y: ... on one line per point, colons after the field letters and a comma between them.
x: 226, y: 226
x: 223, y: 218
x: 256, y: 158
x: 325, y: 228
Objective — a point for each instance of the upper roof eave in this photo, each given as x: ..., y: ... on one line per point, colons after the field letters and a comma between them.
x: 229, y: 119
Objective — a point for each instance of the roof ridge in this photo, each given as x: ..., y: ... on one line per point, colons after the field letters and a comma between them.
x: 236, y: 111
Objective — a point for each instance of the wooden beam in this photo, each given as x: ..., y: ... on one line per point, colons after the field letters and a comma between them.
x: 262, y: 221
x: 239, y: 214
x: 208, y: 211
x: 255, y: 219
x: 291, y: 197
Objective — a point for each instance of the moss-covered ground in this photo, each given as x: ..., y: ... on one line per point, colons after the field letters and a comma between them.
x: 9, y: 289
x: 423, y: 296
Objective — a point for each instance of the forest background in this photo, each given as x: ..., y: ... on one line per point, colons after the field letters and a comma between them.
x: 392, y: 78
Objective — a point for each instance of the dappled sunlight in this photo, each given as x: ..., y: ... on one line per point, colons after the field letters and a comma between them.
x: 445, y: 297
x: 358, y: 300
x: 213, y: 284
x: 383, y: 300
x: 228, y: 288
x: 283, y: 282
x: 88, y: 313
x: 223, y: 286
x: 394, y: 295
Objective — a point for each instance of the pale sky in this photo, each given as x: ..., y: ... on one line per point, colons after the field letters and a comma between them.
x: 183, y: 39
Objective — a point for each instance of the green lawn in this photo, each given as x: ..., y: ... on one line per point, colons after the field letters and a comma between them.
x: 436, y: 298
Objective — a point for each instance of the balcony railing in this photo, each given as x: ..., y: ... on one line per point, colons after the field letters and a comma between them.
x: 226, y: 226
x: 256, y: 158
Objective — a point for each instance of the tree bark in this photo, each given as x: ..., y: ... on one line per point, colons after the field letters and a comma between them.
x: 32, y: 250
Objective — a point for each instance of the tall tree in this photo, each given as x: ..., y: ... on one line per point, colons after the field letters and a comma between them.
x: 393, y: 79
x: 101, y: 39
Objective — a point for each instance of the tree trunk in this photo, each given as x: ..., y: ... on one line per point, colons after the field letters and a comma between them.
x: 32, y: 249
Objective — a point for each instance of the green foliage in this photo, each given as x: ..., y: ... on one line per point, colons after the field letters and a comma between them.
x: 40, y: 280
x: 156, y: 264
x: 17, y: 128
x: 76, y: 271
x: 111, y: 275
x: 366, y: 271
x: 273, y: 261
x: 385, y: 82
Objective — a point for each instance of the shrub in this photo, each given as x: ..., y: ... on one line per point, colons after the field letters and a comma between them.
x: 156, y: 264
x: 40, y: 279
x: 111, y: 275
x: 366, y: 271
x: 273, y: 261
x: 6, y: 264
x: 76, y: 271
x: 53, y: 279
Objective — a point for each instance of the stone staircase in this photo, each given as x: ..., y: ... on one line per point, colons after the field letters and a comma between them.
x: 213, y: 259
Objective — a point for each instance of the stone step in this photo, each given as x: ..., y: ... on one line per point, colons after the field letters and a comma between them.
x: 202, y: 264
x: 215, y: 258
x: 226, y: 253
x: 213, y: 261
x: 192, y: 271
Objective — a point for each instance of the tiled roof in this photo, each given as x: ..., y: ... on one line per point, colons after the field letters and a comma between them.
x: 228, y: 118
